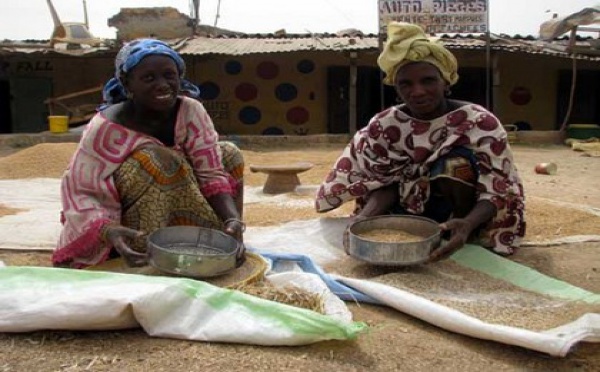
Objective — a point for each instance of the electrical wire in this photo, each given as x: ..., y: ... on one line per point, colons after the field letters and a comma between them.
x: 341, y: 12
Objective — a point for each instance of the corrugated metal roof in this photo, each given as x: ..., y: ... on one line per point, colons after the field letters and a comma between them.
x: 261, y: 45
x: 529, y: 45
x: 43, y: 47
x: 264, y: 44
x: 242, y: 46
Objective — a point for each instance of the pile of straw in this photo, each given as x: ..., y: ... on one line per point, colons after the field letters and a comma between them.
x: 289, y: 295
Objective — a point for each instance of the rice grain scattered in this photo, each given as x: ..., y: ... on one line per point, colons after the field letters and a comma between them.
x: 45, y: 160
x: 389, y: 236
x: 7, y: 211
x: 488, y: 299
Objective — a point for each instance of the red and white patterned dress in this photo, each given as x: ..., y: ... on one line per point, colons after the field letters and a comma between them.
x: 397, y: 148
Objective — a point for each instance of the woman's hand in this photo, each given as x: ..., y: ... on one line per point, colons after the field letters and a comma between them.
x: 235, y: 227
x: 116, y: 235
x: 459, y: 229
x: 225, y: 207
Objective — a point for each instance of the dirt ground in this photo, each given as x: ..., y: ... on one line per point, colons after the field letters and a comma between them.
x: 395, y: 341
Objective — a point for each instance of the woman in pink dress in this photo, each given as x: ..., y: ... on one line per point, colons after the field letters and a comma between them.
x: 149, y: 158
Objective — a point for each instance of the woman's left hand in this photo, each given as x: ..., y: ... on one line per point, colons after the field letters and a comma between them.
x: 460, y: 229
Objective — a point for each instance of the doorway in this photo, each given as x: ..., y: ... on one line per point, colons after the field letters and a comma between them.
x: 5, y: 111
x: 586, y: 105
x: 29, y: 113
x: 368, y: 100
x: 470, y: 87
x: 338, y: 100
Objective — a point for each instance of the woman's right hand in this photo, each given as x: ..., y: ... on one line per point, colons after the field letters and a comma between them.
x: 116, y: 235
x: 236, y: 227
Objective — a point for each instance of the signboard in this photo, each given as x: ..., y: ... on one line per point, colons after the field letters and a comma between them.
x: 437, y: 16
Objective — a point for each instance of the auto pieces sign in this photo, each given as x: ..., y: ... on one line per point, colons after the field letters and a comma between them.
x: 436, y: 16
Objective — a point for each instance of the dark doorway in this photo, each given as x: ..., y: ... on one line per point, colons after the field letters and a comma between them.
x: 338, y: 102
x: 586, y: 103
x: 369, y: 89
x: 5, y: 112
x: 471, y: 86
x: 29, y: 113
x: 368, y: 97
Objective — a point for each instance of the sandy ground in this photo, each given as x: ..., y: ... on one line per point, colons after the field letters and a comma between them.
x: 395, y: 341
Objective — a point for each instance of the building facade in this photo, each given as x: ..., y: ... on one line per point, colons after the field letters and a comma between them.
x: 306, y: 84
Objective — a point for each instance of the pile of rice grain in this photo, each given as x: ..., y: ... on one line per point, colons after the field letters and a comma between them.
x: 488, y: 299
x: 390, y: 236
x: 45, y: 160
x: 51, y: 159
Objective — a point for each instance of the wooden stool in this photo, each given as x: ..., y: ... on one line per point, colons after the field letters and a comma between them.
x: 281, y: 178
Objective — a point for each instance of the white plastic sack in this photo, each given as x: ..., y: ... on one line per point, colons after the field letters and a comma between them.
x: 35, y: 298
x: 557, y: 341
x: 312, y: 283
x: 320, y: 238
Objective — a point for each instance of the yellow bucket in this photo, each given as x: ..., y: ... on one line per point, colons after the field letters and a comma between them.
x: 58, y: 124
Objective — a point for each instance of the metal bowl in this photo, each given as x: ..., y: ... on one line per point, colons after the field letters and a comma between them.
x: 192, y: 251
x: 396, y: 253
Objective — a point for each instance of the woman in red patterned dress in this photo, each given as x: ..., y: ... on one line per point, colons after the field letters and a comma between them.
x: 441, y: 158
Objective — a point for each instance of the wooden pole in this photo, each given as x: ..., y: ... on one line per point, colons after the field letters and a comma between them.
x: 380, y: 47
x: 570, y: 49
x: 352, y: 92
x: 488, y: 61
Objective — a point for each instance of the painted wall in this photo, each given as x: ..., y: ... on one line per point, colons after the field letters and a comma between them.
x: 520, y: 73
x: 266, y: 94
x: 68, y: 74
x: 34, y: 78
x: 286, y: 93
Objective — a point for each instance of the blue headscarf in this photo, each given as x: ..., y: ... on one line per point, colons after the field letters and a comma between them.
x: 130, y: 55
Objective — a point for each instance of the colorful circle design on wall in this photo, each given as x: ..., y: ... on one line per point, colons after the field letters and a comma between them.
x: 297, y: 115
x: 272, y: 131
x: 209, y: 90
x: 520, y: 96
x: 249, y: 115
x: 246, y: 92
x: 233, y: 67
x: 286, y: 92
x: 306, y: 66
x: 267, y: 70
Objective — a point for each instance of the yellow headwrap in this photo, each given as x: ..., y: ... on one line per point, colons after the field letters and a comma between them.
x: 408, y: 43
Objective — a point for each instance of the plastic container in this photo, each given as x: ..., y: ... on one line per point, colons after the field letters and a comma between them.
x: 546, y: 168
x: 583, y: 131
x: 58, y: 124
